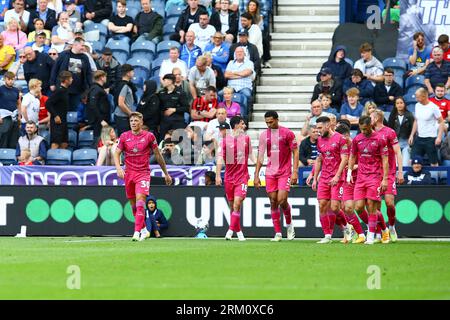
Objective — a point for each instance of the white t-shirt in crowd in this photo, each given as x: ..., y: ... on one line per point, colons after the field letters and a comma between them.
x: 32, y: 105
x: 202, y: 36
x: 426, y: 117
x: 167, y: 67
x: 13, y: 14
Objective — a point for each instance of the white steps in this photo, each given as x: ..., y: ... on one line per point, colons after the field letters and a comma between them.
x: 261, y: 107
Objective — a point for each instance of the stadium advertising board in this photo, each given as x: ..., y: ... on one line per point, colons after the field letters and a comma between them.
x: 100, y: 211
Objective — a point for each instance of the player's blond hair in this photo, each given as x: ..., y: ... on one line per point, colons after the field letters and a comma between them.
x: 379, y: 114
x: 136, y: 114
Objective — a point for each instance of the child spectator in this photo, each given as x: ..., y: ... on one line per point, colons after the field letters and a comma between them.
x: 155, y: 220
x: 325, y: 101
x: 25, y: 158
x: 352, y: 109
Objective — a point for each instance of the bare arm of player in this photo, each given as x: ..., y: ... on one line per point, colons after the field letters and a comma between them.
x: 294, y: 177
x: 337, y: 177
x: 317, y: 169
x: 384, y: 182
x: 159, y: 158
x: 120, y: 171
x: 440, y: 132
x: 219, y: 161
x: 413, y: 133
x: 351, y: 164
x: 398, y: 155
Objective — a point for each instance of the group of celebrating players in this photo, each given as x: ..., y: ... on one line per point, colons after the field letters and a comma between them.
x: 349, y: 176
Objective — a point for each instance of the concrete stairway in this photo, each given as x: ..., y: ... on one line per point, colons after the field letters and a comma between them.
x: 301, y: 42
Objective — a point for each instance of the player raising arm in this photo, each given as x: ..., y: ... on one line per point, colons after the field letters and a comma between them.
x: 137, y: 145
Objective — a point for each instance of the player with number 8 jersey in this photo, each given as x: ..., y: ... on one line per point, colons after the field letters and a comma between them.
x: 137, y: 145
x: 235, y: 151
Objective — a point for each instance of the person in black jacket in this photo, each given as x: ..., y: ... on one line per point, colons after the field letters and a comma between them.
x: 417, y: 175
x: 330, y: 85
x: 96, y: 10
x: 308, y: 148
x: 340, y: 69
x: 189, y: 16
x: 149, y: 107
x: 111, y: 66
x: 38, y: 66
x: 173, y: 105
x: 98, y: 109
x: 50, y: 18
x: 384, y: 93
x: 233, y: 23
x: 75, y: 61
x: 58, y: 105
x: 251, y: 51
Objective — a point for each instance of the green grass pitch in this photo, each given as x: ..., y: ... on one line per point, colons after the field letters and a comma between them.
x: 116, y: 268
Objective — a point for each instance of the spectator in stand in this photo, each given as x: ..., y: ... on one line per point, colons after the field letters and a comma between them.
x: 24, y: 159
x: 417, y: 175
x: 330, y: 85
x: 384, y: 93
x: 402, y: 121
x: 149, y: 107
x: 370, y: 66
x: 369, y: 108
x: 121, y: 25
x: 62, y: 32
x: 253, y: 7
x: 96, y: 11
x: 30, y: 106
x: 58, y: 106
x: 7, y: 56
x: 13, y: 36
x: 76, y: 62
x: 170, y: 153
x: 325, y: 101
x: 437, y: 71
x: 53, y: 53
x: 56, y: 5
x: 106, y: 146
x: 444, y: 45
x: 4, y: 6
x: 32, y: 142
x: 218, y: 73
x: 352, y: 109
x: 124, y: 99
x: 441, y: 101
x: 200, y: 77
x: 204, y: 108
x: 203, y: 31
x: 18, y: 13
x: 207, y: 156
x: 233, y: 108
x: 429, y: 126
x: 182, y: 85
x: 445, y: 151
x: 220, y: 50
x: 419, y: 55
x: 189, y: 51
x: 111, y: 66
x: 254, y: 32
x: 340, y: 69
x: 38, y: 25
x: 225, y: 21
x: 212, y: 130
x: 240, y: 74
x: 74, y: 13
x: 38, y: 66
x: 17, y: 69
x: 234, y: 6
x: 308, y: 148
x: 173, y: 62
x: 45, y: 14
x: 310, y: 121
x: 9, y: 108
x: 44, y: 116
x: 40, y: 42
x: 173, y: 104
x: 98, y: 108
x: 148, y: 24
x: 251, y: 51
x: 189, y: 16
x: 364, y: 86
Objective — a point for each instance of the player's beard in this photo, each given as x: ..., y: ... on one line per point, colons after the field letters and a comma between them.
x: 326, y: 134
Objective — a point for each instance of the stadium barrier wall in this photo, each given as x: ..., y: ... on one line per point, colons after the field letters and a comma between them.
x: 100, y: 211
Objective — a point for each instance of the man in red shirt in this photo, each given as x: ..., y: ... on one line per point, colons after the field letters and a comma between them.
x: 204, y: 108
x: 440, y: 100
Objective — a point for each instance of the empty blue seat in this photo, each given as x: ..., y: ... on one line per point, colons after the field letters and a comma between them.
x: 138, y: 81
x: 102, y: 29
x: 98, y: 46
x: 72, y: 119
x: 239, y: 98
x: 416, y: 82
x: 156, y: 65
x: 349, y: 61
x: 411, y: 107
x: 73, y: 137
x: 158, y: 7
x: 145, y: 49
x: 168, y: 29
x: 140, y: 64
x: 398, y: 77
x: 132, y: 11
x: 410, y: 97
x: 394, y: 63
x: 164, y: 46
x: 8, y: 156
x: 46, y: 135
x: 174, y: 11
x: 84, y: 157
x: 85, y: 138
x: 58, y: 157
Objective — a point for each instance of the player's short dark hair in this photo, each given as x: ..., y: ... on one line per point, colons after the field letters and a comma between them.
x: 343, y: 129
x: 235, y: 121
x: 65, y: 75
x: 323, y: 119
x: 271, y: 114
x: 365, y: 120
x: 345, y: 122
x: 247, y: 16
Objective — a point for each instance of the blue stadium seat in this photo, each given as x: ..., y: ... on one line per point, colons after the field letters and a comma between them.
x: 72, y: 119
x: 84, y: 157
x: 120, y: 56
x: 95, y: 31
x: 411, y: 107
x: 238, y: 97
x: 142, y: 67
x: 159, y: 7
x: 171, y: 21
x: 138, y: 81
x: 98, y: 46
x: 144, y: 49
x: 134, y: 4
x: 174, y: 11
x: 58, y: 157
x: 394, y: 63
x: 73, y: 137
x: 132, y: 11
x: 398, y: 77
x: 46, y: 135
x: 85, y: 139
x: 410, y: 97
x: 168, y: 29
x: 164, y: 46
x: 415, y: 82
x: 156, y: 65
x: 349, y: 61
x: 8, y: 156
x: 120, y: 49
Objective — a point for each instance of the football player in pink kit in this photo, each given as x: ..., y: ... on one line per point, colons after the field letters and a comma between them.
x: 394, y: 156
x: 332, y: 158
x: 281, y: 145
x: 371, y: 152
x: 235, y: 151
x: 137, y: 145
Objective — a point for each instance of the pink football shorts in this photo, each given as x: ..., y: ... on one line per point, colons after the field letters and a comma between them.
x: 327, y: 192
x: 137, y: 183
x: 348, y: 191
x: 391, y: 187
x: 369, y: 188
x: 279, y: 183
x: 233, y: 190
